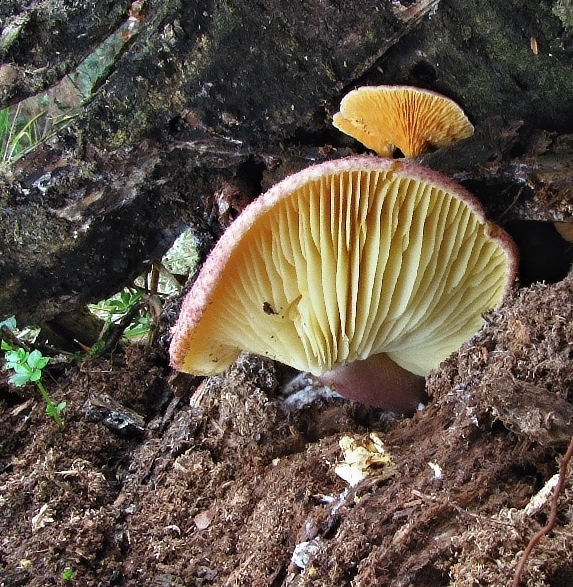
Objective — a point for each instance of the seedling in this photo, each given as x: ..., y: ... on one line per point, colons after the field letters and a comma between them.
x: 67, y: 574
x: 135, y: 310
x: 125, y: 311
x: 27, y: 366
x: 116, y: 307
x: 17, y: 137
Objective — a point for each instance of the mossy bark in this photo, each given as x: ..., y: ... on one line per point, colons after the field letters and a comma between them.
x: 208, y: 92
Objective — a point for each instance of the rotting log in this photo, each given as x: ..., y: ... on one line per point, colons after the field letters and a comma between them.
x: 198, y: 97
x: 42, y: 41
x: 210, y: 94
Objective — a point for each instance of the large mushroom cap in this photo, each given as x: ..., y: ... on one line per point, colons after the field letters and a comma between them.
x: 344, y: 260
x: 411, y: 119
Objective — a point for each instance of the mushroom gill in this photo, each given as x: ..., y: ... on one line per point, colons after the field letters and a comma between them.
x: 344, y: 261
x: 411, y: 119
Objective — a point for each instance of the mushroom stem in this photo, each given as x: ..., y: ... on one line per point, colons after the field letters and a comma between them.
x: 378, y: 381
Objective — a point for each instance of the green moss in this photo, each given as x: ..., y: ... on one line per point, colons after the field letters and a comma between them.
x: 563, y: 10
x: 130, y: 126
x: 485, y: 60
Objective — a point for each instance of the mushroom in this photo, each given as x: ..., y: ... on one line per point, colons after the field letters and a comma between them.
x: 413, y: 120
x: 365, y: 272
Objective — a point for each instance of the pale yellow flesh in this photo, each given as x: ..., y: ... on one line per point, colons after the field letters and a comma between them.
x: 413, y: 120
x: 353, y: 264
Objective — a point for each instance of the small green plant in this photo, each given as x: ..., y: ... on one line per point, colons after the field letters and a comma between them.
x: 125, y: 315
x: 136, y: 309
x: 140, y: 327
x: 116, y: 307
x: 27, y: 366
x: 67, y: 574
x: 126, y: 304
x: 17, y: 135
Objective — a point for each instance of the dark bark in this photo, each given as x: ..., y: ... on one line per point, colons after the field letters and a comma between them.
x: 204, y: 95
x: 208, y: 95
x: 42, y: 41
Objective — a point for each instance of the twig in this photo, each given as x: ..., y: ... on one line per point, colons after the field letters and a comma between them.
x: 7, y: 335
x: 115, y: 331
x: 552, y: 517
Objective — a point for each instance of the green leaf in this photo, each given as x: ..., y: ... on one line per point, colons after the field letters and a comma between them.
x: 11, y: 360
x: 6, y: 346
x: 15, y: 355
x: 21, y: 369
x: 36, y: 361
x: 10, y: 324
x: 19, y: 379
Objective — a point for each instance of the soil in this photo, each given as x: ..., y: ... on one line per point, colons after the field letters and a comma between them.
x: 225, y: 480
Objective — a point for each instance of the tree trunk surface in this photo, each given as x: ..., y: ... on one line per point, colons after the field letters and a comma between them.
x: 203, y: 95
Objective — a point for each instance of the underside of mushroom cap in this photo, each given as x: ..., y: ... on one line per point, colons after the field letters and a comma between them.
x: 411, y: 119
x: 344, y: 260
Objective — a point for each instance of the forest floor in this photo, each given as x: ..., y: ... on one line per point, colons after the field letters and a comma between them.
x: 165, y: 480
x: 230, y: 484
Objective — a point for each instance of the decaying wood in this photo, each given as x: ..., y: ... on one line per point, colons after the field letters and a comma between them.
x: 202, y: 96
x: 100, y: 407
x: 532, y: 412
x: 42, y: 41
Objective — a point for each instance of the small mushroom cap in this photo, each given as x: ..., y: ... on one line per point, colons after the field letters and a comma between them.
x: 411, y: 119
x: 344, y: 260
